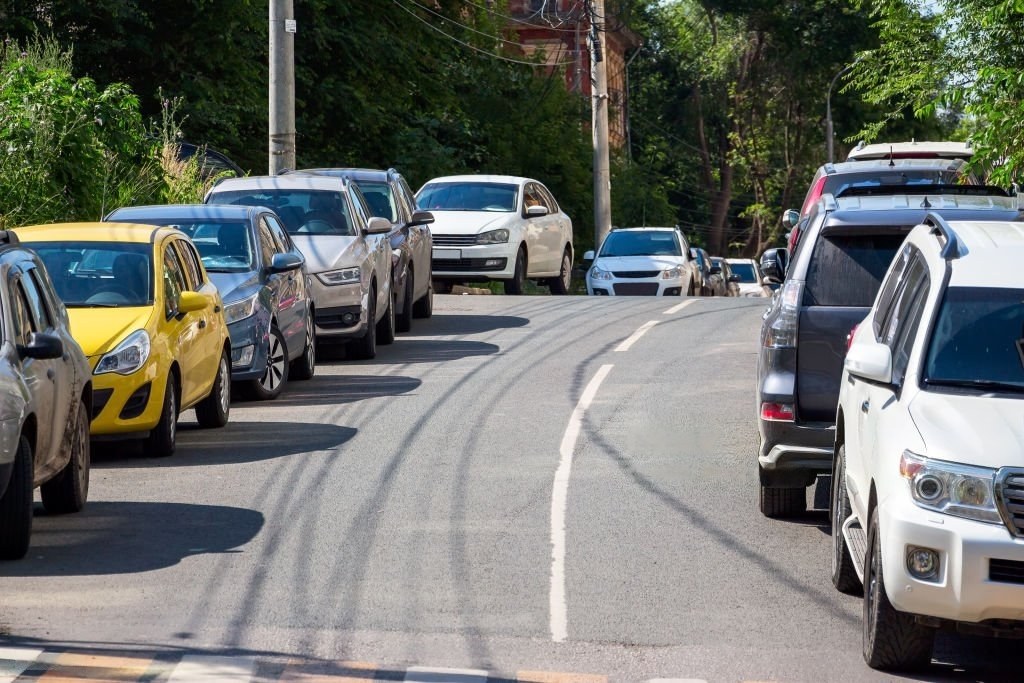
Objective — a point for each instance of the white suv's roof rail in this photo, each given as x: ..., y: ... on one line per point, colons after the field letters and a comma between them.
x: 954, y: 248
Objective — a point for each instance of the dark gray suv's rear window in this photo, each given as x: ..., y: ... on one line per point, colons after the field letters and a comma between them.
x: 847, y: 269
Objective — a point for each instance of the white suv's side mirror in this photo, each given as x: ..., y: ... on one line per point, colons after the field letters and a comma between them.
x: 870, y: 360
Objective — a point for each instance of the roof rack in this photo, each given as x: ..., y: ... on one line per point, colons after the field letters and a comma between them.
x: 935, y: 189
x: 954, y: 248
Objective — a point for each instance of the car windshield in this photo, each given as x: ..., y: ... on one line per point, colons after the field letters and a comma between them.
x: 99, y: 274
x: 745, y: 271
x: 303, y: 212
x: 225, y: 246
x: 469, y: 197
x: 978, y: 339
x: 380, y: 199
x: 640, y: 244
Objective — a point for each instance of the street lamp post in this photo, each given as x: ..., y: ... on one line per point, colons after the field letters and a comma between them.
x: 830, y: 152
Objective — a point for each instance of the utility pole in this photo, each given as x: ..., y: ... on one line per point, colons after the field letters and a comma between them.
x: 599, y: 98
x: 282, y: 85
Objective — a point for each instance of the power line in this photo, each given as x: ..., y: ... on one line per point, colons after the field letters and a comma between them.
x: 468, y: 28
x: 523, y: 22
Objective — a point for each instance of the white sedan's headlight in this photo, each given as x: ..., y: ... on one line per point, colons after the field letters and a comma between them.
x: 599, y: 274
x: 951, y: 488
x: 240, y: 310
x: 493, y: 237
x: 127, y: 357
x: 673, y: 273
x: 342, y: 276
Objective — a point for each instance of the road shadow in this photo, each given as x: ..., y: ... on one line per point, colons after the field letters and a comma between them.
x: 128, y: 537
x: 416, y: 351
x: 456, y: 324
x: 335, y: 389
x: 236, y: 443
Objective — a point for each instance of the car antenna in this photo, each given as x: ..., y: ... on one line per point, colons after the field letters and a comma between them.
x: 892, y: 160
x: 926, y: 204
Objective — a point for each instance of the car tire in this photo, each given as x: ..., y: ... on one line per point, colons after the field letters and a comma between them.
x: 386, y: 326
x: 275, y: 375
x: 68, y: 491
x: 517, y: 285
x: 213, y: 411
x: 304, y: 367
x: 560, y: 285
x: 893, y: 640
x: 365, y: 348
x: 690, y: 289
x: 16, y: 506
x: 161, y: 440
x: 424, y: 308
x: 403, y: 322
x: 844, y: 574
x: 783, y: 502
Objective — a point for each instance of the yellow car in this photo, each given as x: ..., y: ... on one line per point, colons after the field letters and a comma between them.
x: 150, y: 322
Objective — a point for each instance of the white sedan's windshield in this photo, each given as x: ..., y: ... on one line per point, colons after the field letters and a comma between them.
x: 468, y: 197
x: 641, y: 244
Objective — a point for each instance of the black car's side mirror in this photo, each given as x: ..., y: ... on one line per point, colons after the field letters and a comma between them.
x: 420, y: 217
x: 283, y: 263
x: 715, y: 270
x: 42, y: 347
x: 774, y: 263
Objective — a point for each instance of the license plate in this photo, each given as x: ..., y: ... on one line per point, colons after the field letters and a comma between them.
x: 447, y: 254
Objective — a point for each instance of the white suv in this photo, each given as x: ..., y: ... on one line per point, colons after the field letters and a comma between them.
x: 928, y: 478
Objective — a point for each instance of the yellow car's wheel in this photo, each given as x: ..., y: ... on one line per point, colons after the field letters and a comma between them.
x: 213, y: 410
x: 161, y: 440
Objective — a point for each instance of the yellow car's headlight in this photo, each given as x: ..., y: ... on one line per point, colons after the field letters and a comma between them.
x: 130, y: 355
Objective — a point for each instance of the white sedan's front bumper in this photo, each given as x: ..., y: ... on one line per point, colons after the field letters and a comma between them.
x: 646, y: 286
x: 475, y: 262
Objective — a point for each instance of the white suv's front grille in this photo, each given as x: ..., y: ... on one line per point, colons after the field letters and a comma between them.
x: 1009, y: 489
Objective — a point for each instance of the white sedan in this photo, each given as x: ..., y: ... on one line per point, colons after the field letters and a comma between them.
x: 643, y: 262
x: 751, y: 281
x: 489, y: 227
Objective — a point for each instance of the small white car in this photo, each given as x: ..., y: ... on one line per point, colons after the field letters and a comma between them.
x: 928, y: 477
x: 643, y: 262
x: 750, y: 279
x: 491, y: 227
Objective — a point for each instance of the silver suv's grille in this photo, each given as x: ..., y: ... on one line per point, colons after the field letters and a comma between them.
x: 1010, y: 498
x: 454, y: 240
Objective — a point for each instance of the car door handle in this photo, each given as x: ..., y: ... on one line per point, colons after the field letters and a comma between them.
x: 865, y: 406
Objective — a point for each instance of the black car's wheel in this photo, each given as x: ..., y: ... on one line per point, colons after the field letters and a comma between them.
x: 365, y: 348
x: 844, y: 575
x: 68, y: 491
x: 562, y: 283
x: 386, y: 326
x: 161, y: 440
x: 424, y: 308
x: 304, y: 367
x: 16, y: 506
x: 892, y: 639
x: 517, y: 285
x: 213, y: 410
x: 783, y: 502
x: 403, y: 321
x: 276, y: 373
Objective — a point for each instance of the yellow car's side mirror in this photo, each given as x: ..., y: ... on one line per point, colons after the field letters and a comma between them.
x: 192, y: 301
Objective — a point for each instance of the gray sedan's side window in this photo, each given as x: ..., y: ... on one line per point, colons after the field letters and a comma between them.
x: 22, y: 319
x: 281, y: 240
x: 37, y: 307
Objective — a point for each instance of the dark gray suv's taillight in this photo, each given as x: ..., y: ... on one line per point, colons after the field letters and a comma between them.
x: 781, y: 332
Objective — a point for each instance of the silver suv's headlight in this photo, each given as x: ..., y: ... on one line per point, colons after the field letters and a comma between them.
x: 493, y: 237
x: 599, y: 274
x: 240, y: 310
x: 672, y: 273
x: 130, y: 355
x: 342, y: 276
x: 951, y: 488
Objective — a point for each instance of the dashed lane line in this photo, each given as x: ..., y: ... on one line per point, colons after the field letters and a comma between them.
x: 680, y: 306
x: 633, y: 338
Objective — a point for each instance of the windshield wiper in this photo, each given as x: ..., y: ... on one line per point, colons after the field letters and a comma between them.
x: 992, y: 384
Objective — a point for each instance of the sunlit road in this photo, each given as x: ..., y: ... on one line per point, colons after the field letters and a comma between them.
x: 525, y: 488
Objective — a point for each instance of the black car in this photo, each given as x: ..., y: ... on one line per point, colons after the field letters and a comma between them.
x: 711, y: 281
x: 263, y: 282
x: 724, y: 277
x: 829, y: 287
x: 389, y: 196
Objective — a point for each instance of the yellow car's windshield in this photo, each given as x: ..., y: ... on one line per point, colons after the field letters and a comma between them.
x: 99, y: 273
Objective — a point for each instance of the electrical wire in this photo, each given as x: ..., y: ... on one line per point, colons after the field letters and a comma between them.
x: 521, y: 46
x: 523, y: 22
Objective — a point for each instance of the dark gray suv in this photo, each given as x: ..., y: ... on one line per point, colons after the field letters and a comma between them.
x: 830, y: 285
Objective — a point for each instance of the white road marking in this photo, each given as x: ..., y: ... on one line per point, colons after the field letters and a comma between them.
x: 560, y: 501
x: 197, y: 668
x: 632, y: 339
x: 423, y: 674
x: 680, y: 306
x: 15, y: 660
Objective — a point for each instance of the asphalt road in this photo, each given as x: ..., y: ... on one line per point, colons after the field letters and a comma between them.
x: 522, y: 484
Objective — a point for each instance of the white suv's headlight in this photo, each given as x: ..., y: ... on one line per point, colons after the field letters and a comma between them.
x: 240, y: 310
x: 672, y: 273
x: 599, y: 274
x: 342, y: 276
x: 130, y: 355
x: 493, y: 237
x: 951, y: 488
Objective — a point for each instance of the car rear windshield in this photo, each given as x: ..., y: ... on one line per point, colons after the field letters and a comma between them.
x: 847, y: 269
x: 303, y: 212
x: 978, y: 338
x: 468, y: 197
x: 99, y: 274
x: 745, y: 271
x: 640, y: 244
x: 834, y: 184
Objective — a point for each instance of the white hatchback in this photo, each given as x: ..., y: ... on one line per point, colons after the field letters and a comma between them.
x: 643, y: 262
x: 928, y: 477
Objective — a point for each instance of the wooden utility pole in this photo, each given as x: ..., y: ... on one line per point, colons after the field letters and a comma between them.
x: 599, y: 107
x: 282, y: 85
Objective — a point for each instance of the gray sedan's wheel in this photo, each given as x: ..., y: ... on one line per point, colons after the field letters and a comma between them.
x: 304, y: 367
x: 403, y: 321
x: 386, y: 326
x: 68, y: 491
x: 844, y: 575
x: 365, y: 348
x: 161, y: 440
x: 16, y: 506
x: 424, y: 308
x: 276, y: 373
x: 213, y: 410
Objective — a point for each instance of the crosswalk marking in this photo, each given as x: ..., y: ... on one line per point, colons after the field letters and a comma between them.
x: 15, y: 660
x: 212, y: 669
x: 423, y: 674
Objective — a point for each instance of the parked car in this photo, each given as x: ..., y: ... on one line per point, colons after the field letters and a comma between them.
x: 829, y: 287
x: 212, y: 163
x: 911, y: 150
x: 47, y: 390
x: 491, y: 227
x: 724, y: 277
x: 643, y: 262
x: 389, y: 196
x: 262, y: 279
x: 709, y: 283
x: 748, y: 277
x: 150, y: 322
x: 928, y: 482
x: 346, y: 251
x: 878, y: 172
